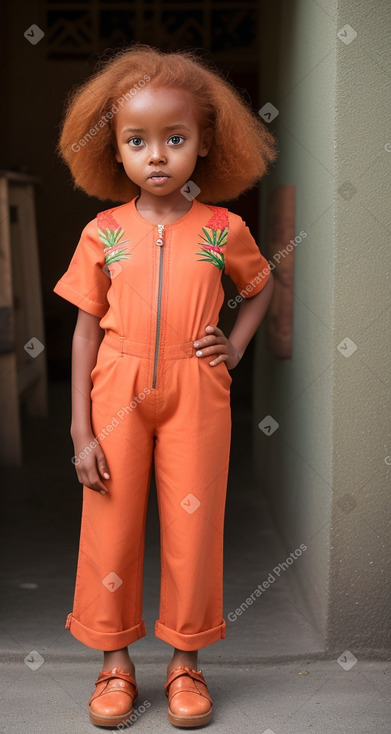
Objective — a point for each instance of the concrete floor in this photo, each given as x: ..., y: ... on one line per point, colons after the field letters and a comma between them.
x: 269, y: 675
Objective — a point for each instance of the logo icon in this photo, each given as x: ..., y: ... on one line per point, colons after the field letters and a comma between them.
x: 112, y: 581
x: 34, y: 660
x: 268, y: 425
x: 347, y: 347
x: 347, y: 660
x: 34, y: 347
x: 268, y: 112
x: 34, y: 34
x: 190, y: 190
x: 190, y: 503
x: 346, y: 34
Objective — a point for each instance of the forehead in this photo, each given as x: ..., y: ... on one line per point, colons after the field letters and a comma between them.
x: 157, y: 106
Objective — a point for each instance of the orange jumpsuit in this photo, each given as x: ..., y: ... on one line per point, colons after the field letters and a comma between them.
x: 153, y: 401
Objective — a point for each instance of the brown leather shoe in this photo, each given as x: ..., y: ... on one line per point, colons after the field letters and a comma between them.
x: 189, y: 701
x: 112, y: 702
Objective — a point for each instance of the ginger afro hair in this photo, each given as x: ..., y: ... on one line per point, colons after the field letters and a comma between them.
x: 242, y: 147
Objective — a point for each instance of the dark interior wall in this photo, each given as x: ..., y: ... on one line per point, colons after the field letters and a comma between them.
x: 38, y: 78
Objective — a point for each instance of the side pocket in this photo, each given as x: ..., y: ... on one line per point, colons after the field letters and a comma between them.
x: 106, y: 361
x: 224, y: 372
x: 97, y: 364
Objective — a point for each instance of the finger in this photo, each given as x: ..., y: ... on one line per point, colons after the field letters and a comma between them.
x: 97, y: 483
x: 217, y: 360
x: 91, y: 480
x: 210, y: 329
x: 102, y: 464
x: 103, y: 468
x: 209, y: 351
x: 214, y: 331
x: 205, y: 341
x: 97, y: 486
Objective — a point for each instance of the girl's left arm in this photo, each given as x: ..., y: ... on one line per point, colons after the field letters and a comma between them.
x: 251, y: 314
x: 230, y: 350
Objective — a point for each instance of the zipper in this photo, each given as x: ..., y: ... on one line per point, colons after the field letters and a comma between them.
x: 160, y: 243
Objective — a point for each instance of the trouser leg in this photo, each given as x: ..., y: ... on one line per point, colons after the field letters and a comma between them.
x: 108, y: 595
x: 191, y: 468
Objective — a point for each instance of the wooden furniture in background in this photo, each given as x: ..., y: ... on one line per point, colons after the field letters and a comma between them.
x: 23, y: 369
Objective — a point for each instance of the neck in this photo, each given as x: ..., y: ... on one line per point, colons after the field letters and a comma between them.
x: 174, y: 204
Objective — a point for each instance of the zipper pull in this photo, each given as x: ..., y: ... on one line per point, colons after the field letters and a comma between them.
x: 160, y: 241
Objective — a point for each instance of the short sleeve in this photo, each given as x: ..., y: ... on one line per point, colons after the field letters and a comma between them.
x: 244, y: 262
x: 85, y: 283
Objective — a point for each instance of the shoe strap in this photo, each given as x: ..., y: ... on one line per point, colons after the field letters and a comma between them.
x: 106, y: 675
x: 184, y: 670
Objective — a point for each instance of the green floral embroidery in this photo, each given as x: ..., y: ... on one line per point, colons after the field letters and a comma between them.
x: 110, y: 233
x: 214, y: 238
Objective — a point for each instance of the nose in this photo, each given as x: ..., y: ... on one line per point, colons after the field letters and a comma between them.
x: 156, y: 154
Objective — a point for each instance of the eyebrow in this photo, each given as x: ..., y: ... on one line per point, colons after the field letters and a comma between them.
x: 141, y: 129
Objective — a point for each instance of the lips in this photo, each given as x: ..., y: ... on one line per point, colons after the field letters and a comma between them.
x: 158, y: 174
x: 158, y: 178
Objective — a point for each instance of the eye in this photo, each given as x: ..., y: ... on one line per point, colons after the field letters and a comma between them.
x: 135, y: 142
x: 176, y: 139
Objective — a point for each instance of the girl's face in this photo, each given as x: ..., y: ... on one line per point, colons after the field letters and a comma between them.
x: 159, y: 139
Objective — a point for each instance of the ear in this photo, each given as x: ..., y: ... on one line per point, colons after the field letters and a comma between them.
x: 114, y: 143
x: 205, y: 144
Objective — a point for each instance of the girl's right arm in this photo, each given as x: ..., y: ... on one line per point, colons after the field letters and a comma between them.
x: 85, y: 344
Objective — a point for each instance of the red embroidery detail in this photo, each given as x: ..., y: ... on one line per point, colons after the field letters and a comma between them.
x: 219, y: 220
x: 107, y: 221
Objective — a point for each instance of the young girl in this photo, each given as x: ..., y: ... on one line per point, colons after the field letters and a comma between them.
x: 167, y: 135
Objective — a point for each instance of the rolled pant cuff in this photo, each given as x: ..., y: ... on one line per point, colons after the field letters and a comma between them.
x: 192, y: 641
x: 104, y: 640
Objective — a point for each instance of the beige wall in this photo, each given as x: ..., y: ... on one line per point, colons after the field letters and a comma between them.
x: 324, y: 468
